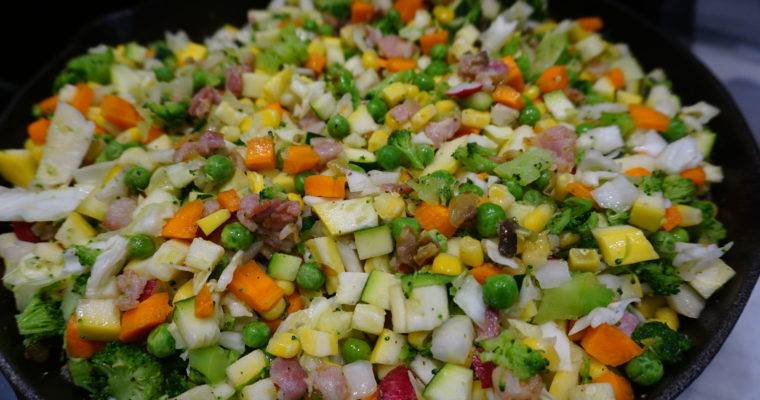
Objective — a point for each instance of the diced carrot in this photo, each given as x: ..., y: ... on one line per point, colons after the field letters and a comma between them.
x: 184, y: 224
x: 274, y: 323
x: 509, y: 97
x: 204, y: 303
x: 294, y: 303
x: 48, y: 105
x: 616, y: 77
x: 431, y: 39
x: 610, y: 345
x: 253, y: 286
x: 407, y: 8
x: 638, y: 172
x: 553, y: 78
x: 400, y: 64
x: 119, y: 112
x: 696, y: 174
x: 373, y: 396
x: 285, y: 22
x: 465, y: 130
x: 260, y: 155
x: 620, y: 385
x: 82, y: 99
x: 484, y: 271
x: 277, y: 107
x: 577, y: 336
x: 514, y: 74
x: 153, y: 134
x: 434, y: 216
x: 361, y: 12
x: 325, y: 186
x: 579, y: 190
x: 37, y: 131
x: 229, y: 199
x: 315, y: 62
x: 648, y: 118
x: 139, y: 321
x: 299, y: 158
x: 591, y: 24
x: 673, y: 217
x: 75, y: 345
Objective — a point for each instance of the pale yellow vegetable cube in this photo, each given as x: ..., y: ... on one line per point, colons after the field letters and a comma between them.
x: 647, y: 212
x: 209, y: 223
x: 74, y: 230
x: 284, y: 345
x: 623, y: 245
x: 318, y: 343
x: 98, y: 319
x: 246, y: 368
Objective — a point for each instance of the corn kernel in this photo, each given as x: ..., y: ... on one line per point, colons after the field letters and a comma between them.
x: 95, y: 115
x: 560, y: 186
x: 255, y: 181
x: 445, y: 106
x: 423, y: 116
x: 269, y: 118
x: 470, y: 251
x: 417, y: 339
x: 596, y: 369
x: 378, y: 139
x: 394, y: 93
x: 287, y: 286
x: 231, y: 133
x: 316, y: 46
x: 114, y: 171
x: 532, y: 92
x: 193, y: 50
x: 668, y: 316
x: 209, y: 223
x: 530, y: 311
x: 284, y: 345
x: 370, y: 59
x: 500, y: 195
x: 567, y: 239
x: 275, y: 312
x: 628, y: 98
x: 538, y: 218
x: 296, y: 197
x: 261, y: 102
x: 545, y: 124
x: 475, y: 119
x: 389, y: 206
x: 584, y: 260
x: 317, y: 343
x: 246, y: 124
x: 446, y: 264
x: 285, y: 181
x: 690, y: 216
x: 130, y: 135
x: 649, y: 305
x: 541, y: 107
x: 443, y: 14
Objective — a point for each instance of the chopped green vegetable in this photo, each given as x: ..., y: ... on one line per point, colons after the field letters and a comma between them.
x: 507, y: 352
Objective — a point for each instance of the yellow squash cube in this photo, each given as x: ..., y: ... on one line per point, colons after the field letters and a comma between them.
x: 284, y: 345
x: 690, y: 216
x: 214, y: 220
x: 17, y: 166
x: 317, y: 343
x: 538, y: 218
x: 446, y: 264
x: 470, y: 251
x: 623, y: 245
x: 98, y: 319
x: 584, y: 259
x: 394, y: 93
x: 475, y: 118
x: 246, y: 368
x: 74, y: 230
x: 647, y: 212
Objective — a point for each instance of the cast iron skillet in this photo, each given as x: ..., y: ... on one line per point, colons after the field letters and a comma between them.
x: 735, y: 150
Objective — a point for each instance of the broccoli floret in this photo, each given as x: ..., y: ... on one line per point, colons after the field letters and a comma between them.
x: 337, y: 8
x: 622, y: 120
x: 89, y: 67
x: 202, y: 78
x: 84, y: 376
x: 679, y: 190
x: 130, y: 372
x: 434, y: 188
x: 273, y: 192
x: 573, y: 215
x: 401, y: 76
x: 170, y: 113
x: 710, y: 231
x: 418, y: 156
x: 389, y: 23
x: 507, y: 352
x: 42, y: 318
x: 660, y: 275
x: 340, y: 81
x: 652, y: 183
x: 474, y: 158
x: 86, y: 255
x: 664, y: 244
x: 617, y: 218
x: 667, y: 344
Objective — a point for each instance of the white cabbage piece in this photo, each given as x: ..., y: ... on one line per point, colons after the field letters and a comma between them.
x: 605, y: 139
x: 150, y: 219
x: 68, y: 140
x: 31, y: 274
x: 45, y: 205
x: 612, y: 314
x: 679, y: 155
x: 108, y: 263
x: 618, y: 194
x: 693, y: 258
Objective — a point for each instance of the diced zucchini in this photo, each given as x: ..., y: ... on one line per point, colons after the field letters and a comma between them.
x: 196, y: 332
x: 324, y: 106
x: 209, y: 361
x: 398, y: 309
x: 202, y: 392
x: 244, y: 370
x: 253, y: 82
x: 705, y: 142
x: 98, y: 319
x: 350, y: 287
x: 361, y: 121
x: 592, y: 391
x: 359, y: 156
x: 318, y: 343
x: 336, y: 322
x: 325, y: 251
x: 424, y: 367
x: 427, y: 308
x: 452, y: 340
x: 686, y: 302
x: 631, y: 69
x: 171, y: 253
x: 443, y: 157
x: 559, y: 105
x: 74, y: 230
x: 373, y: 242
x: 261, y: 390
x: 368, y: 318
x: 388, y: 348
x: 452, y: 382
x: 284, y: 266
x: 377, y: 289
x: 712, y: 278
x: 203, y: 255
x: 499, y: 134
x: 346, y: 216
x: 590, y: 47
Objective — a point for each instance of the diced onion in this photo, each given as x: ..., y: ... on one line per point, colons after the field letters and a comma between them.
x: 618, y: 194
x: 552, y: 274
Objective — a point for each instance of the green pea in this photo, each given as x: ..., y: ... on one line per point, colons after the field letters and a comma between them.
x: 298, y: 181
x: 676, y: 130
x: 680, y: 235
x: 310, y: 277
x: 141, y: 246
x: 500, y: 291
x: 514, y: 188
x: 398, y: 224
x: 163, y: 73
x: 219, y: 168
x: 583, y: 128
x: 471, y: 187
x: 426, y: 153
x: 338, y: 126
x: 310, y: 25
x: 529, y: 115
x: 235, y: 236
x: 533, y: 197
x: 113, y: 150
x: 256, y: 334
x: 543, y: 180
x: 487, y: 218
x: 645, y: 369
x: 325, y: 30
x: 161, y: 342
x: 137, y: 179
x: 354, y: 349
x: 424, y: 82
x: 439, y: 52
x: 389, y: 157
x: 377, y: 109
x: 436, y: 68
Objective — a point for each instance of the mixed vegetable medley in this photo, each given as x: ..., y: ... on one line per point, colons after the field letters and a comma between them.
x: 353, y: 200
